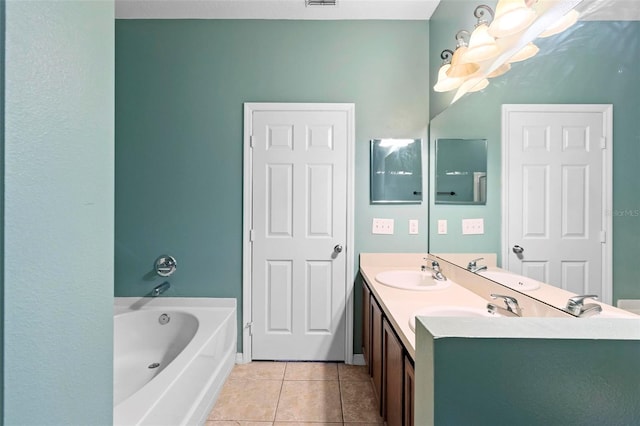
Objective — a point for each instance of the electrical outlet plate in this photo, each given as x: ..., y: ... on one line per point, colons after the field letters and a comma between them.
x: 413, y: 226
x: 472, y: 226
x: 382, y: 226
x: 442, y: 226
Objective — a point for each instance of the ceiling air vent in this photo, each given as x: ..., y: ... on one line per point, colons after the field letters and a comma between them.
x: 320, y: 2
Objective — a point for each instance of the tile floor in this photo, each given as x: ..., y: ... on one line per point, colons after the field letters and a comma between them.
x: 296, y: 393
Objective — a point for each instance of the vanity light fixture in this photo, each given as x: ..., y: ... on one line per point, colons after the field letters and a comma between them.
x: 502, y: 69
x: 511, y: 17
x: 320, y: 3
x: 446, y: 83
x: 460, y: 68
x: 565, y: 22
x: 482, y: 45
x: 529, y: 51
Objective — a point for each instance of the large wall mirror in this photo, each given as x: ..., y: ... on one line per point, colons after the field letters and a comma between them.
x: 461, y: 171
x: 396, y: 171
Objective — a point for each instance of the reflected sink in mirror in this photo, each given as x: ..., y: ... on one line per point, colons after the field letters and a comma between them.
x: 449, y: 311
x: 411, y: 280
x: 511, y: 280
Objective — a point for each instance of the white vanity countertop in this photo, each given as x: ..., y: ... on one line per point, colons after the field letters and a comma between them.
x: 398, y: 304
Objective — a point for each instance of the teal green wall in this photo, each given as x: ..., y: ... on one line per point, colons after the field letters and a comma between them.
x: 564, y: 71
x: 2, y: 27
x: 58, y: 213
x: 536, y: 382
x: 180, y: 89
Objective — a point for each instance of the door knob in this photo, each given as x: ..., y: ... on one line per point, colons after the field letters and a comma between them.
x: 517, y: 249
x: 338, y: 248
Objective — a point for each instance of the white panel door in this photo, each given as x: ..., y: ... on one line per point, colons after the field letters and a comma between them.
x: 557, y: 183
x: 299, y: 172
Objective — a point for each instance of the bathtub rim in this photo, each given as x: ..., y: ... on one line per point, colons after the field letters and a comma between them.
x: 137, y: 407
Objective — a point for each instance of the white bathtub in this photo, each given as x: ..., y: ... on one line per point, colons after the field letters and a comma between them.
x: 171, y: 373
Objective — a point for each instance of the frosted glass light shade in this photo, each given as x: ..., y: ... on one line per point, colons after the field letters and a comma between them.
x: 459, y: 67
x: 529, y: 51
x: 500, y: 70
x: 478, y: 87
x: 446, y: 83
x: 563, y: 23
x: 512, y: 16
x: 482, y: 45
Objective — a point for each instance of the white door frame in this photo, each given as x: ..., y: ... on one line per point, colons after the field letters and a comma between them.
x: 607, y: 206
x: 247, y: 216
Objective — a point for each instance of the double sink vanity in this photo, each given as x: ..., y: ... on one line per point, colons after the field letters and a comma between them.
x: 443, y: 336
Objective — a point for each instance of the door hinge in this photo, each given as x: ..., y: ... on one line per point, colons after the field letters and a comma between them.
x: 603, y: 142
x: 251, y: 235
x: 251, y: 141
x: 249, y: 325
x: 603, y: 236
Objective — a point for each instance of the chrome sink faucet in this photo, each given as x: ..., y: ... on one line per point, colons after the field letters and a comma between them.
x: 161, y: 288
x: 577, y: 307
x: 435, y: 267
x: 512, y: 308
x: 473, y: 266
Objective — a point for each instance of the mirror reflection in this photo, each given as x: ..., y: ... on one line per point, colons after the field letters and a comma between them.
x: 461, y: 171
x: 396, y: 171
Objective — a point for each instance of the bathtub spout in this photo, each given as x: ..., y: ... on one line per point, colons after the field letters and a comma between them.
x: 159, y: 289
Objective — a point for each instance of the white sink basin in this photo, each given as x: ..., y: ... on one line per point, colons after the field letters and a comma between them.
x: 411, y: 280
x: 448, y: 311
x: 511, y: 280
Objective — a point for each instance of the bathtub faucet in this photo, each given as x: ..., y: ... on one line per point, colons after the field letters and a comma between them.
x: 159, y: 289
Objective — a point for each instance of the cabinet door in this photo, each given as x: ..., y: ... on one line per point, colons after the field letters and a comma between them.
x: 392, y: 376
x: 409, y: 391
x: 366, y: 325
x: 376, y: 350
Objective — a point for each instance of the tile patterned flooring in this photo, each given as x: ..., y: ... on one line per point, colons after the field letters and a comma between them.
x: 296, y: 393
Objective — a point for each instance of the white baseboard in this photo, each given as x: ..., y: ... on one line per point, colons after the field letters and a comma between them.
x: 631, y: 305
x: 240, y: 358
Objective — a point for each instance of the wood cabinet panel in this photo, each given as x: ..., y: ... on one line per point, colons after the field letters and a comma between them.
x: 392, y: 376
x: 376, y: 351
x: 366, y: 325
x: 409, y: 391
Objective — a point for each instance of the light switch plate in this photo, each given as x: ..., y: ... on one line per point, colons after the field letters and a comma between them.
x: 382, y: 226
x: 442, y: 226
x: 472, y: 226
x: 413, y: 226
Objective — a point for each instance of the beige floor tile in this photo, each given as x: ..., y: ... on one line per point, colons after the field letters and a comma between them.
x: 310, y: 401
x: 249, y: 400
x: 259, y: 370
x: 311, y: 371
x: 358, y: 402
x: 235, y: 423
x: 360, y: 424
x: 353, y: 373
x: 306, y: 424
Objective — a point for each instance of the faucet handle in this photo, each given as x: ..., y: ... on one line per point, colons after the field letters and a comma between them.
x: 579, y: 300
x: 511, y: 302
x: 472, y: 263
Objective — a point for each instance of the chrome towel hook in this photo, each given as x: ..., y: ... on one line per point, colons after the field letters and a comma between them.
x: 165, y: 265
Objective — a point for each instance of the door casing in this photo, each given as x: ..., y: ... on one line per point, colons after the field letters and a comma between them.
x: 249, y: 109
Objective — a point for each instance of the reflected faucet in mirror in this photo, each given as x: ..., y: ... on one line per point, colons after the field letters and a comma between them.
x: 473, y: 266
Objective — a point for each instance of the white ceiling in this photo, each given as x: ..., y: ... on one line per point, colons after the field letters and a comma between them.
x: 623, y: 10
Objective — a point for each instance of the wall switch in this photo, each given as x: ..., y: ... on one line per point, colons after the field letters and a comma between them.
x: 472, y: 226
x: 442, y: 226
x: 382, y: 226
x: 413, y: 226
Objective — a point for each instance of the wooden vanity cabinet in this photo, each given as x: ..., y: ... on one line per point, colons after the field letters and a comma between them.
x: 376, y: 351
x: 366, y: 326
x: 390, y: 366
x: 392, y: 376
x: 409, y: 391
